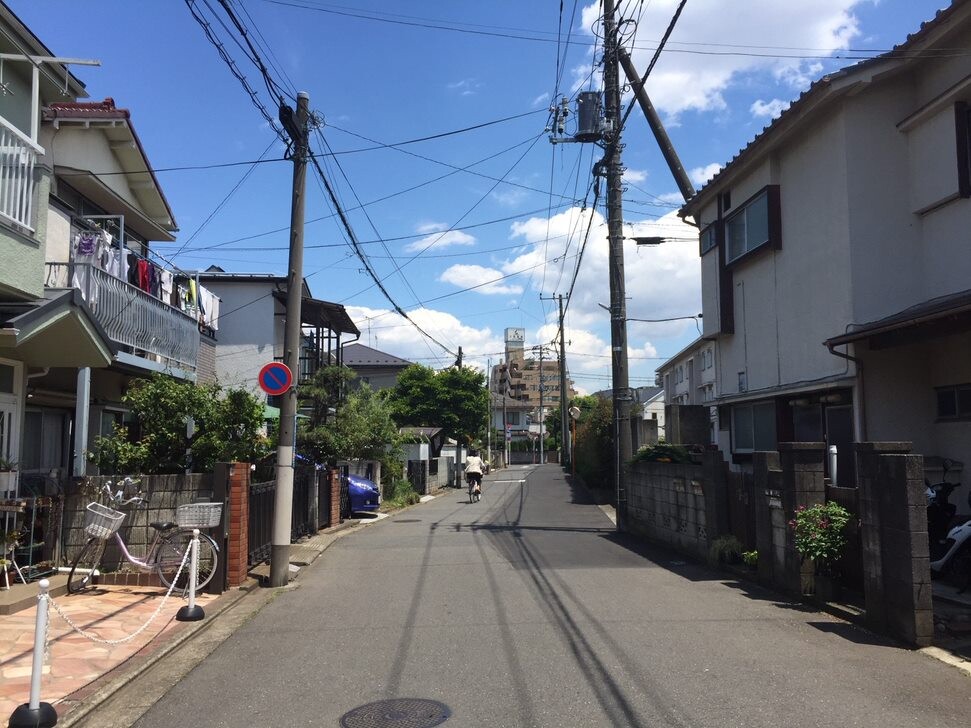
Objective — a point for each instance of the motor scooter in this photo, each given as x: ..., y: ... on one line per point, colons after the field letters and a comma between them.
x: 950, y: 550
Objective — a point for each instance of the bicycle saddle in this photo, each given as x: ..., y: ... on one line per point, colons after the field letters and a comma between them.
x: 163, y: 525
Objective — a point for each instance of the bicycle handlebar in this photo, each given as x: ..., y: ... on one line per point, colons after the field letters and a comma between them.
x: 118, y: 498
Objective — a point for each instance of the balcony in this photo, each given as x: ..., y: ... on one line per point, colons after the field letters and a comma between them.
x: 17, y: 156
x: 150, y: 328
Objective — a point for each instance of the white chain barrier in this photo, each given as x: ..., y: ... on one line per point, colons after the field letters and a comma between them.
x: 133, y: 635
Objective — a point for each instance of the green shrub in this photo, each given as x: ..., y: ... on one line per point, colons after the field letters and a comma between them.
x: 399, y: 494
x: 750, y: 558
x: 820, y: 532
x: 662, y: 452
x: 725, y: 550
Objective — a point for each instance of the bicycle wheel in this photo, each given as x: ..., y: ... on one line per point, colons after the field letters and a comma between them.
x: 172, y: 548
x: 83, y: 569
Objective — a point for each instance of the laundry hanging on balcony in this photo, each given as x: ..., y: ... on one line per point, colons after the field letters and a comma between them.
x: 90, y: 249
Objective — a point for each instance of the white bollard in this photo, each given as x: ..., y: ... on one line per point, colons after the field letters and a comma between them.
x: 192, y: 612
x: 35, y: 713
x: 832, y: 465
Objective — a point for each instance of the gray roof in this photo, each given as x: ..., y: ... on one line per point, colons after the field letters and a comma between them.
x: 359, y: 355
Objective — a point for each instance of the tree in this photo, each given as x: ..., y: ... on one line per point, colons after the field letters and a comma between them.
x: 454, y: 399
x: 594, y: 441
x: 228, y: 426
x: 359, y: 427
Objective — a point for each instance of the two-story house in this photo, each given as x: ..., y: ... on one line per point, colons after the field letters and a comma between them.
x: 835, y: 272
x: 377, y: 369
x: 86, y: 304
x: 252, y: 319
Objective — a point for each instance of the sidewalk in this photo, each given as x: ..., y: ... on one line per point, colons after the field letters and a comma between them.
x: 78, y: 671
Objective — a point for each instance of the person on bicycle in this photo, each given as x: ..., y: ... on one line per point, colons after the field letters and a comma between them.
x: 473, y: 471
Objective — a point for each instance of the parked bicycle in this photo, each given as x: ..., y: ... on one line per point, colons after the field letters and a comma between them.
x: 166, y: 552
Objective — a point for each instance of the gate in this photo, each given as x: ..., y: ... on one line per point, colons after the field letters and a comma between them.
x: 741, y: 508
x: 345, y: 493
x: 301, y: 521
x: 260, y: 527
x: 323, y: 498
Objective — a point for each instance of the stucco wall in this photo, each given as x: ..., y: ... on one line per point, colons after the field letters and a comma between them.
x: 22, y: 253
x: 248, y: 331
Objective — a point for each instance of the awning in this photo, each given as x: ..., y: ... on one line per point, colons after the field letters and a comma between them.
x: 327, y: 315
x: 57, y: 331
x: 942, y: 316
x: 92, y: 187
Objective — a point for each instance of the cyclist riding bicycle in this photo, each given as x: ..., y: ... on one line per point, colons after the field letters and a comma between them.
x: 473, y: 471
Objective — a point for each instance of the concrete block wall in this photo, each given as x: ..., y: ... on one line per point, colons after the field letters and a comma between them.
x: 896, y: 562
x: 666, y: 503
x: 165, y: 493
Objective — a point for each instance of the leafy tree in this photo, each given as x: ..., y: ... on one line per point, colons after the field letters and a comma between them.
x: 360, y: 427
x: 228, y: 427
x: 454, y: 399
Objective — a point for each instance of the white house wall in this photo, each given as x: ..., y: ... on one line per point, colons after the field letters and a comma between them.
x: 58, y: 236
x: 786, y: 301
x: 247, y: 331
x: 77, y: 147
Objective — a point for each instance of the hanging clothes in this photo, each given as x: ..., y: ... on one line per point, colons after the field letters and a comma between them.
x: 133, y: 269
x: 144, y: 280
x: 165, y: 286
x: 88, y: 252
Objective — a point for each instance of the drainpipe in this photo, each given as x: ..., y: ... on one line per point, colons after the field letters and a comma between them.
x: 859, y: 401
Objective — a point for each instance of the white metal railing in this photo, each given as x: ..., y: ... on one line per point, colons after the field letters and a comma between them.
x: 17, y: 156
x: 130, y: 316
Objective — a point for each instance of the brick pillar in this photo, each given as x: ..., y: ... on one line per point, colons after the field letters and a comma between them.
x: 233, y: 479
x: 768, y: 478
x: 802, y: 485
x: 896, y: 562
x: 335, y: 496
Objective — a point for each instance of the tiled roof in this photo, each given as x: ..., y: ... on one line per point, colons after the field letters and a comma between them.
x: 817, y: 88
x: 85, y: 110
x: 358, y: 355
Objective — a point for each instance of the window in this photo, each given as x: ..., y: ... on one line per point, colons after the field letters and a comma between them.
x: 954, y: 403
x: 962, y: 124
x: 512, y: 418
x: 708, y: 238
x: 6, y: 379
x: 754, y: 224
x: 753, y: 427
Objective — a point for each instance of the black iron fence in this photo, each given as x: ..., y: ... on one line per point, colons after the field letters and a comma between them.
x: 261, y: 497
x: 304, y: 487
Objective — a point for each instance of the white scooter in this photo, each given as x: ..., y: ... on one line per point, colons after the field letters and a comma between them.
x: 956, y: 554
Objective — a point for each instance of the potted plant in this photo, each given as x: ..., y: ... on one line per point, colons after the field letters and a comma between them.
x: 8, y: 478
x: 820, y: 535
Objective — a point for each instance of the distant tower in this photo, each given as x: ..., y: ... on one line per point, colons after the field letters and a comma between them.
x: 515, y: 341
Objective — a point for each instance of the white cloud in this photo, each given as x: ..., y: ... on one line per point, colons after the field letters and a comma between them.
x: 541, y: 100
x: 510, y: 196
x: 388, y: 332
x: 686, y: 80
x: 431, y: 227
x: 466, y: 276
x: 440, y: 240
x: 768, y: 109
x: 466, y: 87
x: 700, y: 175
x: 635, y: 175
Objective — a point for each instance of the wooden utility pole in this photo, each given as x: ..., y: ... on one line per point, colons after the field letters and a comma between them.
x: 297, y: 127
x: 612, y: 168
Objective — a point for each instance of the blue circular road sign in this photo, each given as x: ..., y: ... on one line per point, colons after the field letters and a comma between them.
x: 275, y: 378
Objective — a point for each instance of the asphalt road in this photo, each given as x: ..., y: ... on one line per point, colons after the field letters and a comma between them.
x: 526, y: 610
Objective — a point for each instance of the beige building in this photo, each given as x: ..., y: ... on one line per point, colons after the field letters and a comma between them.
x: 523, y: 377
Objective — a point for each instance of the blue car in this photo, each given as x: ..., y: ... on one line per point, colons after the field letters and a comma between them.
x: 363, y: 493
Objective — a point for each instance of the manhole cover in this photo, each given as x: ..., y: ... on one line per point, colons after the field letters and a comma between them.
x: 397, y: 713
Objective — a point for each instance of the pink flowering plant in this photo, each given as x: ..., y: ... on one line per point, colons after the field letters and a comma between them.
x: 820, y: 532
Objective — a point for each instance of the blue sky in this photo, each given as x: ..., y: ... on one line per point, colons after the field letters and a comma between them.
x: 410, y: 70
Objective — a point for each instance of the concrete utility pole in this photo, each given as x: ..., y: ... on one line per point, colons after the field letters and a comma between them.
x: 297, y: 127
x: 489, y: 416
x: 611, y: 166
x: 542, y: 388
x: 564, y: 395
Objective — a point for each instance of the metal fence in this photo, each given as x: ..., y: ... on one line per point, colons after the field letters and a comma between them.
x: 304, y: 489
x: 261, y: 497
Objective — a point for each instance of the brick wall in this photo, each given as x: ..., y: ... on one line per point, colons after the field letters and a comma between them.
x: 235, y: 478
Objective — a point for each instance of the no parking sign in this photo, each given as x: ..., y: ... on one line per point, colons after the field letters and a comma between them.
x: 275, y: 378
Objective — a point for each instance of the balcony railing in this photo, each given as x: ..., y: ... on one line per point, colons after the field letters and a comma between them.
x: 17, y: 156
x: 131, y: 317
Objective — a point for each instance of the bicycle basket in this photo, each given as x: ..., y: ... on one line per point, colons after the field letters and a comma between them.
x: 199, y: 515
x: 101, y: 521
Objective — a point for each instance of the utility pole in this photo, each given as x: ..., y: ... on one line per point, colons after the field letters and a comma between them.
x: 489, y: 416
x: 297, y: 127
x: 611, y: 166
x: 542, y: 388
x: 504, y: 386
x: 564, y: 395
